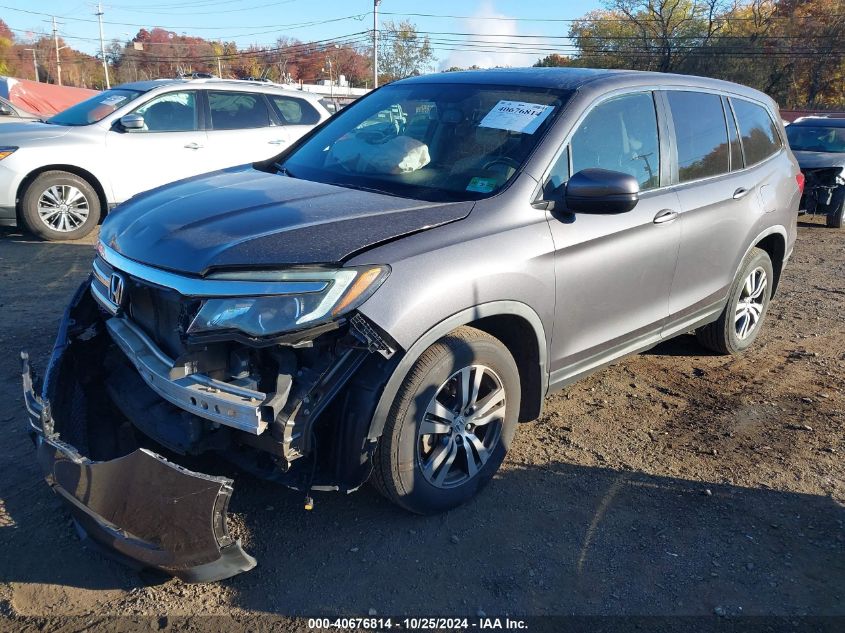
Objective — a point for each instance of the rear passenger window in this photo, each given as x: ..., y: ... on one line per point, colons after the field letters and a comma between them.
x: 701, y: 135
x: 620, y: 135
x: 237, y: 110
x: 757, y: 131
x: 295, y: 111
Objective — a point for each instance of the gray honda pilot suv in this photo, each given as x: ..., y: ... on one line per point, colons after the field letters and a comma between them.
x: 389, y: 297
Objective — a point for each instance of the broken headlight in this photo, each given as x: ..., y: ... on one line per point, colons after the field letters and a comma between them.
x: 345, y: 289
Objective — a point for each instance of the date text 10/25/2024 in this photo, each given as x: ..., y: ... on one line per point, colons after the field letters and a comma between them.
x: 418, y: 624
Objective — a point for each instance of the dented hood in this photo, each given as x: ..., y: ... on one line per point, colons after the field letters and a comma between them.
x: 243, y: 217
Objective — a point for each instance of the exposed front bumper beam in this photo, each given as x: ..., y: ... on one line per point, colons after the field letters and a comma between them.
x: 212, y: 399
x: 150, y: 512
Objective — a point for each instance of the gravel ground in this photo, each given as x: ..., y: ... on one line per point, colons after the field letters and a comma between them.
x: 672, y: 483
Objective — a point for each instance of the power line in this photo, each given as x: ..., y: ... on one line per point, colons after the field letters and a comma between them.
x: 180, y: 5
x: 305, y: 47
x: 497, y: 18
x: 218, y: 12
x: 356, y: 16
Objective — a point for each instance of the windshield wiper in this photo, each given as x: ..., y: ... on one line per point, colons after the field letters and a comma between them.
x: 363, y: 188
x: 282, y: 170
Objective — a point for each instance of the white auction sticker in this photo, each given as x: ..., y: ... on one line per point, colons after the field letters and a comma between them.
x: 516, y: 116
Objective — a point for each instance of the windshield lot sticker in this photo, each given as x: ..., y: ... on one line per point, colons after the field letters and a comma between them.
x: 516, y: 116
x: 113, y: 100
x: 482, y: 185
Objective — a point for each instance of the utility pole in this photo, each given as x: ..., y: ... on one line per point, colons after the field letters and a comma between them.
x: 34, y: 62
x: 99, y: 15
x: 375, y: 43
x: 58, y: 58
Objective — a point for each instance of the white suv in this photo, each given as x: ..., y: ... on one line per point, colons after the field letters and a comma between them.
x: 58, y: 177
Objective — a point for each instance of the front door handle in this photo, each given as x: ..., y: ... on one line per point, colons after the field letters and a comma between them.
x: 741, y: 193
x: 666, y: 215
x: 193, y: 146
x: 278, y: 141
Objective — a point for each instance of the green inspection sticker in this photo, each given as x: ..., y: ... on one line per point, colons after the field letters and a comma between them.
x: 482, y: 185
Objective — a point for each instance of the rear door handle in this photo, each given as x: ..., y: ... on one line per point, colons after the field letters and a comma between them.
x: 193, y: 146
x: 666, y: 215
x: 740, y: 193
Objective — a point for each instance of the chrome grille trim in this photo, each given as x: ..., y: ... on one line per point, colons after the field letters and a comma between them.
x: 197, y: 287
x: 102, y: 275
x: 101, y: 298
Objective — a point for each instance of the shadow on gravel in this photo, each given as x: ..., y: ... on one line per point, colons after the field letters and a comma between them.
x: 554, y: 540
x: 560, y: 539
x: 684, y: 345
x: 814, y: 225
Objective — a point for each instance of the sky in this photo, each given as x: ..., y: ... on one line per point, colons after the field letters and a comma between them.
x: 494, y: 22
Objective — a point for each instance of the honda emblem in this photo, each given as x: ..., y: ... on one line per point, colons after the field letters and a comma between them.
x: 117, y: 286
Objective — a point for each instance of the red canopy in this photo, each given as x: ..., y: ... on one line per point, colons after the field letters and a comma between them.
x: 41, y: 98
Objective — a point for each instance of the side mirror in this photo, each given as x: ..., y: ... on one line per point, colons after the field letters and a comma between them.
x: 132, y: 122
x: 601, y: 191
x: 5, y: 110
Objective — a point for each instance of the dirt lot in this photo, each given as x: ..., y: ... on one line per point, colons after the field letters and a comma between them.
x: 673, y: 483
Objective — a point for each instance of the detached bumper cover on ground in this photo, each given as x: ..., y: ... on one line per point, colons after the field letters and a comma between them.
x: 147, y: 510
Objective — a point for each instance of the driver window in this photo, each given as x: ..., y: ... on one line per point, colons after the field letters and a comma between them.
x: 171, y: 112
x: 620, y: 135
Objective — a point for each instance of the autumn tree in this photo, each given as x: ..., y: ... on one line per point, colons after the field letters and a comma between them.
x: 7, y: 39
x: 656, y: 35
x: 818, y: 27
x: 790, y: 49
x: 553, y: 61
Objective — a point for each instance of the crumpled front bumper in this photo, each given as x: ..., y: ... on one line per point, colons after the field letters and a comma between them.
x: 148, y: 511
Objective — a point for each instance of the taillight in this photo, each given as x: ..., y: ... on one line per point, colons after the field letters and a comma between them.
x: 799, y: 178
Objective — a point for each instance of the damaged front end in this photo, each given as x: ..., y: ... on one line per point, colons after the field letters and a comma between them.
x: 129, y: 381
x: 824, y: 190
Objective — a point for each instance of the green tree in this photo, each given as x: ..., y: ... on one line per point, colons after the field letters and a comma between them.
x: 403, y: 52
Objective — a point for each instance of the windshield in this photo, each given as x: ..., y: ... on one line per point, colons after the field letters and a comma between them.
x: 96, y: 108
x: 430, y: 141
x: 816, y: 139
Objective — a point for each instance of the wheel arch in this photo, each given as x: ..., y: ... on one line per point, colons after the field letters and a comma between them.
x: 773, y: 241
x: 514, y: 323
x: 89, y: 177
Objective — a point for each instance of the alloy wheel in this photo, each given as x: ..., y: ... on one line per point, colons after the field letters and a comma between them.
x: 63, y: 208
x: 749, y: 307
x: 461, y: 427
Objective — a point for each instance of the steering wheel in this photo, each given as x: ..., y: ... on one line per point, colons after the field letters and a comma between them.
x: 502, y: 160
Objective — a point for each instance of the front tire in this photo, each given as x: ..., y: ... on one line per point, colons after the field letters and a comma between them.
x: 450, y: 425
x: 59, y: 205
x: 748, y: 301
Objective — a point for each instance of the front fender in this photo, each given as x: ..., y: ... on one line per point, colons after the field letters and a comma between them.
x: 464, y: 317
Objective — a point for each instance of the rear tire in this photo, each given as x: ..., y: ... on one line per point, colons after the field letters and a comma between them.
x: 836, y: 219
x: 422, y: 462
x: 58, y: 205
x: 748, y: 301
